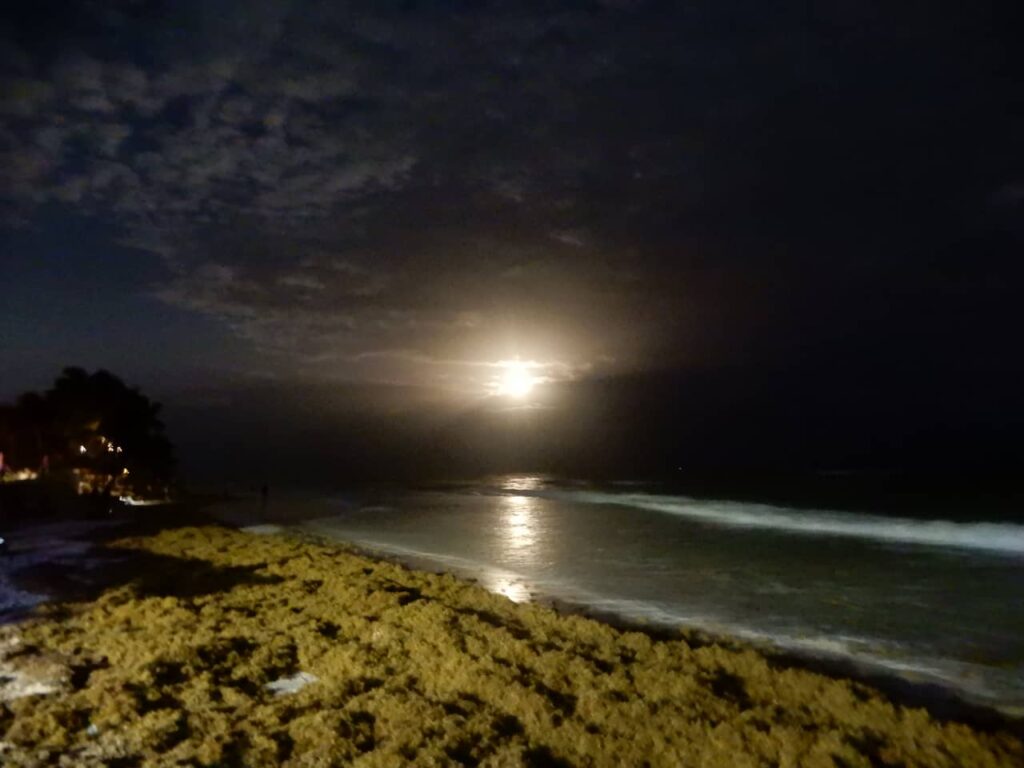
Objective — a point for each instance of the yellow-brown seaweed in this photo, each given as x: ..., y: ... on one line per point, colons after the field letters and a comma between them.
x: 415, y: 668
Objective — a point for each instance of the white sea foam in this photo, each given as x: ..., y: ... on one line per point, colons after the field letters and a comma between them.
x: 286, y: 685
x: 267, y: 529
x: 18, y: 685
x: 992, y: 537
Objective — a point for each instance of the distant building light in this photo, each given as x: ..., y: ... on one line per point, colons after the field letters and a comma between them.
x: 81, y: 449
x: 18, y: 475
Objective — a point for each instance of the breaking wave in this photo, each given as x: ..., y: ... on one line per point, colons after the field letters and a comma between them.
x: 991, y: 537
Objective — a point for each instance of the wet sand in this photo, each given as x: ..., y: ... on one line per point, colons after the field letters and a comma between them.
x: 211, y: 646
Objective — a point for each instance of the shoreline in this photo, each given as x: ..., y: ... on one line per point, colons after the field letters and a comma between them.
x: 942, y: 702
x: 221, y: 647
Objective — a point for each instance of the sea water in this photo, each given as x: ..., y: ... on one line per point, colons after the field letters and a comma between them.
x: 935, y: 601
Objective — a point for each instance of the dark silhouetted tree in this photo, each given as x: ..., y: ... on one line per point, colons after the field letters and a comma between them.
x: 95, y: 421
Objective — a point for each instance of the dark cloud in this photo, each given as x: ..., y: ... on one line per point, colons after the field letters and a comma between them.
x: 405, y: 191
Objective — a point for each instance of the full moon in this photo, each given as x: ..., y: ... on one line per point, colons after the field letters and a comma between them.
x: 515, y: 381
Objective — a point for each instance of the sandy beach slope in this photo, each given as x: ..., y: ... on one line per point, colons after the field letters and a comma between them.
x: 224, y: 648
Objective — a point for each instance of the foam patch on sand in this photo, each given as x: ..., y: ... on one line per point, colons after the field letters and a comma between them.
x: 285, y: 685
x: 34, y: 677
x: 263, y: 530
x: 16, y: 685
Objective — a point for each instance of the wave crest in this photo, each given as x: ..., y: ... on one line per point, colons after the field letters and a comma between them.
x: 1006, y: 538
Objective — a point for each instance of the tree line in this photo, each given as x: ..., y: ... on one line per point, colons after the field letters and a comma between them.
x: 88, y: 425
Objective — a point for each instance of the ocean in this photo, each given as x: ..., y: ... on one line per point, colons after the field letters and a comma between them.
x: 933, y: 601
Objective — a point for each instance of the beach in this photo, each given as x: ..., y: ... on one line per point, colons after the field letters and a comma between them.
x: 216, y: 646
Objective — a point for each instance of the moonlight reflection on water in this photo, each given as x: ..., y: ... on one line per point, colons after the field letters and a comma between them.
x: 519, y: 537
x: 518, y: 526
x: 526, y: 539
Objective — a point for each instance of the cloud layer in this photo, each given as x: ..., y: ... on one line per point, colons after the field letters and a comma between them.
x: 402, y: 191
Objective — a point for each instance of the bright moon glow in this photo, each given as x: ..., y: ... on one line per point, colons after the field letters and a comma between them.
x: 516, y: 380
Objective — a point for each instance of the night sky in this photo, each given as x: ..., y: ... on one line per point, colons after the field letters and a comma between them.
x: 726, y: 233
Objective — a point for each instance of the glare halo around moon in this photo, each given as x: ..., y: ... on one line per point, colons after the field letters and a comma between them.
x: 516, y: 380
